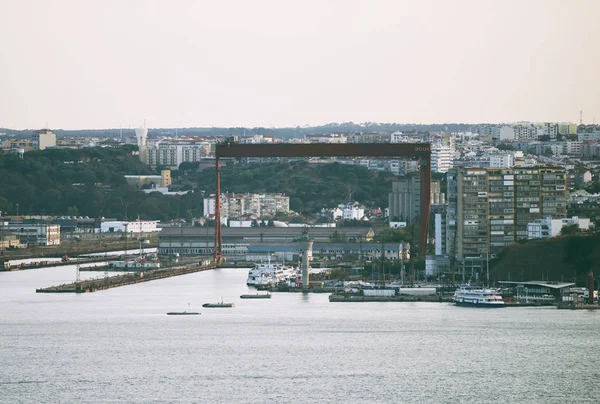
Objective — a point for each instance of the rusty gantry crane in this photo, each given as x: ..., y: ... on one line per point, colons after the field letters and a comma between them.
x: 414, y: 151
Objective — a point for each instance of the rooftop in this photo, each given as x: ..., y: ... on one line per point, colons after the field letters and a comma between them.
x: 548, y: 284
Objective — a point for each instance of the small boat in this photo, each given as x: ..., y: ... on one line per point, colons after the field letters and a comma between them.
x: 256, y: 296
x: 183, y: 313
x: 220, y: 304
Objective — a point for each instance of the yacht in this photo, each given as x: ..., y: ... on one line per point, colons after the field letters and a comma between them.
x: 266, y: 274
x: 466, y: 296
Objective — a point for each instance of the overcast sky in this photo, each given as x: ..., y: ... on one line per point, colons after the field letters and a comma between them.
x: 98, y: 64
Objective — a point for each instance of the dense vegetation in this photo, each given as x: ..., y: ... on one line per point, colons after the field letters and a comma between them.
x: 85, y: 182
x: 310, y: 187
x: 567, y: 258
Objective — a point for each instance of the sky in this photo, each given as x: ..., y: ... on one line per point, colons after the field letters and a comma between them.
x: 77, y: 64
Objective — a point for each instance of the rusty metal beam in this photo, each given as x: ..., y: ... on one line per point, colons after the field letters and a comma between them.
x: 410, y: 150
x: 413, y: 151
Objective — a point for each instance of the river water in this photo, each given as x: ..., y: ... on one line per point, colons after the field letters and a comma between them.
x: 119, y: 345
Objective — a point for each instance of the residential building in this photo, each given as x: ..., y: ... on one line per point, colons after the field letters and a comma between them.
x: 506, y: 160
x: 173, y: 154
x: 239, y: 205
x: 489, y: 209
x: 43, y: 139
x: 567, y: 129
x: 14, y: 144
x: 573, y: 147
x: 588, y: 136
x: 549, y: 227
x: 442, y: 155
x: 503, y: 133
x: 163, y: 180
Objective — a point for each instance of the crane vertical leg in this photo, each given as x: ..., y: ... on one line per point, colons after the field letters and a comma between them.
x: 425, y: 205
x: 218, y: 251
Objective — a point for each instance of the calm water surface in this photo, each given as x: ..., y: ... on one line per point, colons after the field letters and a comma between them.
x: 119, y: 346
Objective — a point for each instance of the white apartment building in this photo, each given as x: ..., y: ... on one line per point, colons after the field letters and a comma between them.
x: 550, y: 129
x: 502, y: 160
x: 43, y: 139
x: 548, y: 227
x: 238, y: 205
x: 573, y: 147
x: 503, y: 133
x: 172, y: 155
x: 349, y: 211
x: 442, y: 157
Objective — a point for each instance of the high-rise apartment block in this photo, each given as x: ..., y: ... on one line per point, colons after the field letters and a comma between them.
x: 490, y: 208
x: 43, y: 139
x: 173, y: 154
x: 442, y: 155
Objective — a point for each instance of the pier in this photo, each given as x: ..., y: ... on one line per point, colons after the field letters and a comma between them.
x: 94, y: 285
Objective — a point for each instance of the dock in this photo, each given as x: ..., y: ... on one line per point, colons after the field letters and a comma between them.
x: 360, y: 298
x: 94, y: 285
x: 577, y: 306
x: 48, y: 264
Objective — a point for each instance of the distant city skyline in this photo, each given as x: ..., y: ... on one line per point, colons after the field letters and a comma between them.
x: 110, y: 64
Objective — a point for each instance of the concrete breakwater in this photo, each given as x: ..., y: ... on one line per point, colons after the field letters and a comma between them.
x: 94, y: 285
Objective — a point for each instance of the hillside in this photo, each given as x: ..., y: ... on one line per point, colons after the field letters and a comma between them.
x: 565, y: 258
x: 310, y: 187
x: 83, y: 182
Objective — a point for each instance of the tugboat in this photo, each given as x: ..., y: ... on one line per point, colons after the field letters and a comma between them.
x: 183, y: 313
x: 218, y: 305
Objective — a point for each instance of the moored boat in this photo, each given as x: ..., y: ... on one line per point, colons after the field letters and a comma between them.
x: 465, y: 296
x: 183, y: 313
x: 218, y: 304
x: 256, y: 296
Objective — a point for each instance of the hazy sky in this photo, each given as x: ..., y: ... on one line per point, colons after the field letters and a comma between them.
x: 97, y: 64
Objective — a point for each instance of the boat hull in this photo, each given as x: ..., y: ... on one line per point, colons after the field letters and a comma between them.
x: 483, y: 305
x: 255, y: 296
x: 182, y: 313
x: 218, y: 305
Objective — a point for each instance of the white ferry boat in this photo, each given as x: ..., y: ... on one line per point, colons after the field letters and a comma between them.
x: 465, y: 296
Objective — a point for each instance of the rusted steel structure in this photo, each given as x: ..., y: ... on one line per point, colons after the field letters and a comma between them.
x: 413, y: 151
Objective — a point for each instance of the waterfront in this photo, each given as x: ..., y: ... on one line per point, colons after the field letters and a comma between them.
x: 119, y: 345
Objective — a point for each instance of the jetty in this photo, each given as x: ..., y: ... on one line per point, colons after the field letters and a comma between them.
x: 94, y: 285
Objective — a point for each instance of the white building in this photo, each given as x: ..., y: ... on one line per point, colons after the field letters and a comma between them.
x: 35, y: 234
x: 502, y: 160
x: 238, y: 205
x: 352, y: 211
x: 135, y: 227
x: 503, y: 133
x: 442, y: 157
x: 573, y: 147
x: 141, y: 135
x: 172, y: 154
x: 548, y: 227
x: 142, y: 226
x: 43, y: 139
